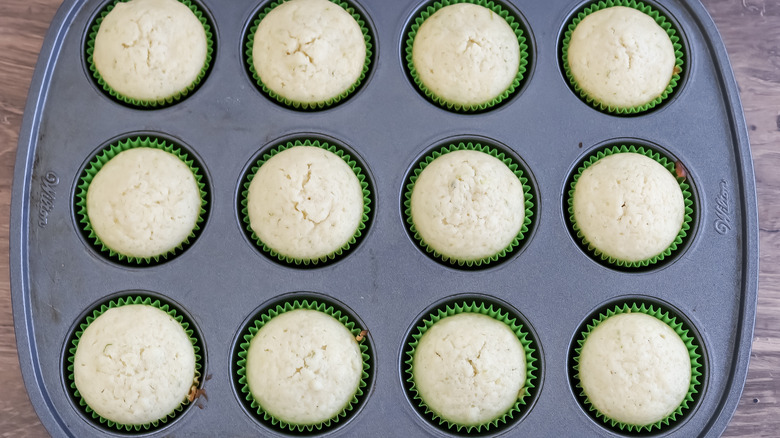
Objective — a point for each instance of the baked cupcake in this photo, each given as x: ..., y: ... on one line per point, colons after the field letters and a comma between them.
x: 470, y: 367
x: 308, y: 53
x: 637, y: 368
x: 306, y: 202
x: 622, y: 59
x: 141, y: 200
x: 468, y: 204
x: 133, y: 364
x: 628, y: 208
x: 302, y: 366
x: 466, y: 56
x: 150, y: 52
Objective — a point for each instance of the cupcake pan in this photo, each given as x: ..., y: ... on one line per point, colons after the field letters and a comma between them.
x: 386, y: 280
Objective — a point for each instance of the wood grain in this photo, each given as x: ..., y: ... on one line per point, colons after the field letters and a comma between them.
x: 751, y: 32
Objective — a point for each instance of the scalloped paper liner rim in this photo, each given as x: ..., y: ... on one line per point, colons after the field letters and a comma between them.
x: 260, y: 321
x: 330, y: 148
x: 504, y: 158
x: 668, y: 165
x: 149, y: 103
x: 660, y: 19
x: 504, y: 13
x: 118, y: 302
x: 100, y: 160
x: 683, y: 332
x: 472, y: 306
x: 250, y: 42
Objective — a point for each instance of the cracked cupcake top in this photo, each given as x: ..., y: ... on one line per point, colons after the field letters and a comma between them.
x: 303, y: 367
x: 134, y: 364
x: 308, y: 51
x: 466, y: 54
x: 143, y: 202
x: 621, y: 57
x: 469, y: 368
x: 628, y: 206
x: 467, y: 205
x: 150, y: 49
x: 305, y: 202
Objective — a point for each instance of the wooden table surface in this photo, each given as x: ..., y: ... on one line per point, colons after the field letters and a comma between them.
x: 751, y: 31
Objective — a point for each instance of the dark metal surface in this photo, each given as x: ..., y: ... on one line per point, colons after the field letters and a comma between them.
x: 221, y: 280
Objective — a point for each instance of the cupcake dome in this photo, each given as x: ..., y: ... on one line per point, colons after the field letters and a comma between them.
x: 620, y: 57
x: 634, y: 369
x: 143, y: 203
x: 134, y: 365
x: 308, y: 51
x: 305, y: 203
x: 469, y: 369
x: 150, y: 50
x: 467, y: 205
x: 628, y: 206
x: 303, y: 367
x: 466, y: 56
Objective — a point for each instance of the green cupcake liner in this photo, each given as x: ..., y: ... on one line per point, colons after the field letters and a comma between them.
x: 496, y: 313
x: 471, y: 146
x: 94, y: 167
x: 687, y: 200
x: 142, y: 103
x: 680, y: 329
x: 660, y: 19
x: 309, y: 304
x: 513, y: 22
x: 250, y: 43
x: 327, y: 257
x: 122, y: 301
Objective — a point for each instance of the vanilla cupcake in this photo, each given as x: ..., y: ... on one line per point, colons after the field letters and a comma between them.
x: 306, y: 203
x: 467, y: 206
x: 628, y: 207
x: 467, y: 56
x: 469, y: 367
x: 134, y: 365
x: 303, y: 366
x: 620, y: 58
x: 637, y: 368
x: 141, y: 200
x: 634, y: 368
x: 149, y: 52
x: 309, y: 53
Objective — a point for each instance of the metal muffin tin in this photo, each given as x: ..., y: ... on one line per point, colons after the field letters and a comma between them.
x: 222, y: 280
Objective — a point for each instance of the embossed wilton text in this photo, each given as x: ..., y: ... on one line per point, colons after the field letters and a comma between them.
x: 49, y: 182
x: 723, y: 209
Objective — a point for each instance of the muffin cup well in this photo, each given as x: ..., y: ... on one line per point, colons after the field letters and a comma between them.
x: 327, y: 257
x: 660, y: 19
x: 249, y: 46
x: 513, y: 22
x: 143, y: 103
x: 471, y: 146
x: 688, y: 340
x: 94, y: 167
x: 118, y: 302
x: 480, y: 308
x: 687, y: 200
x: 260, y: 321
